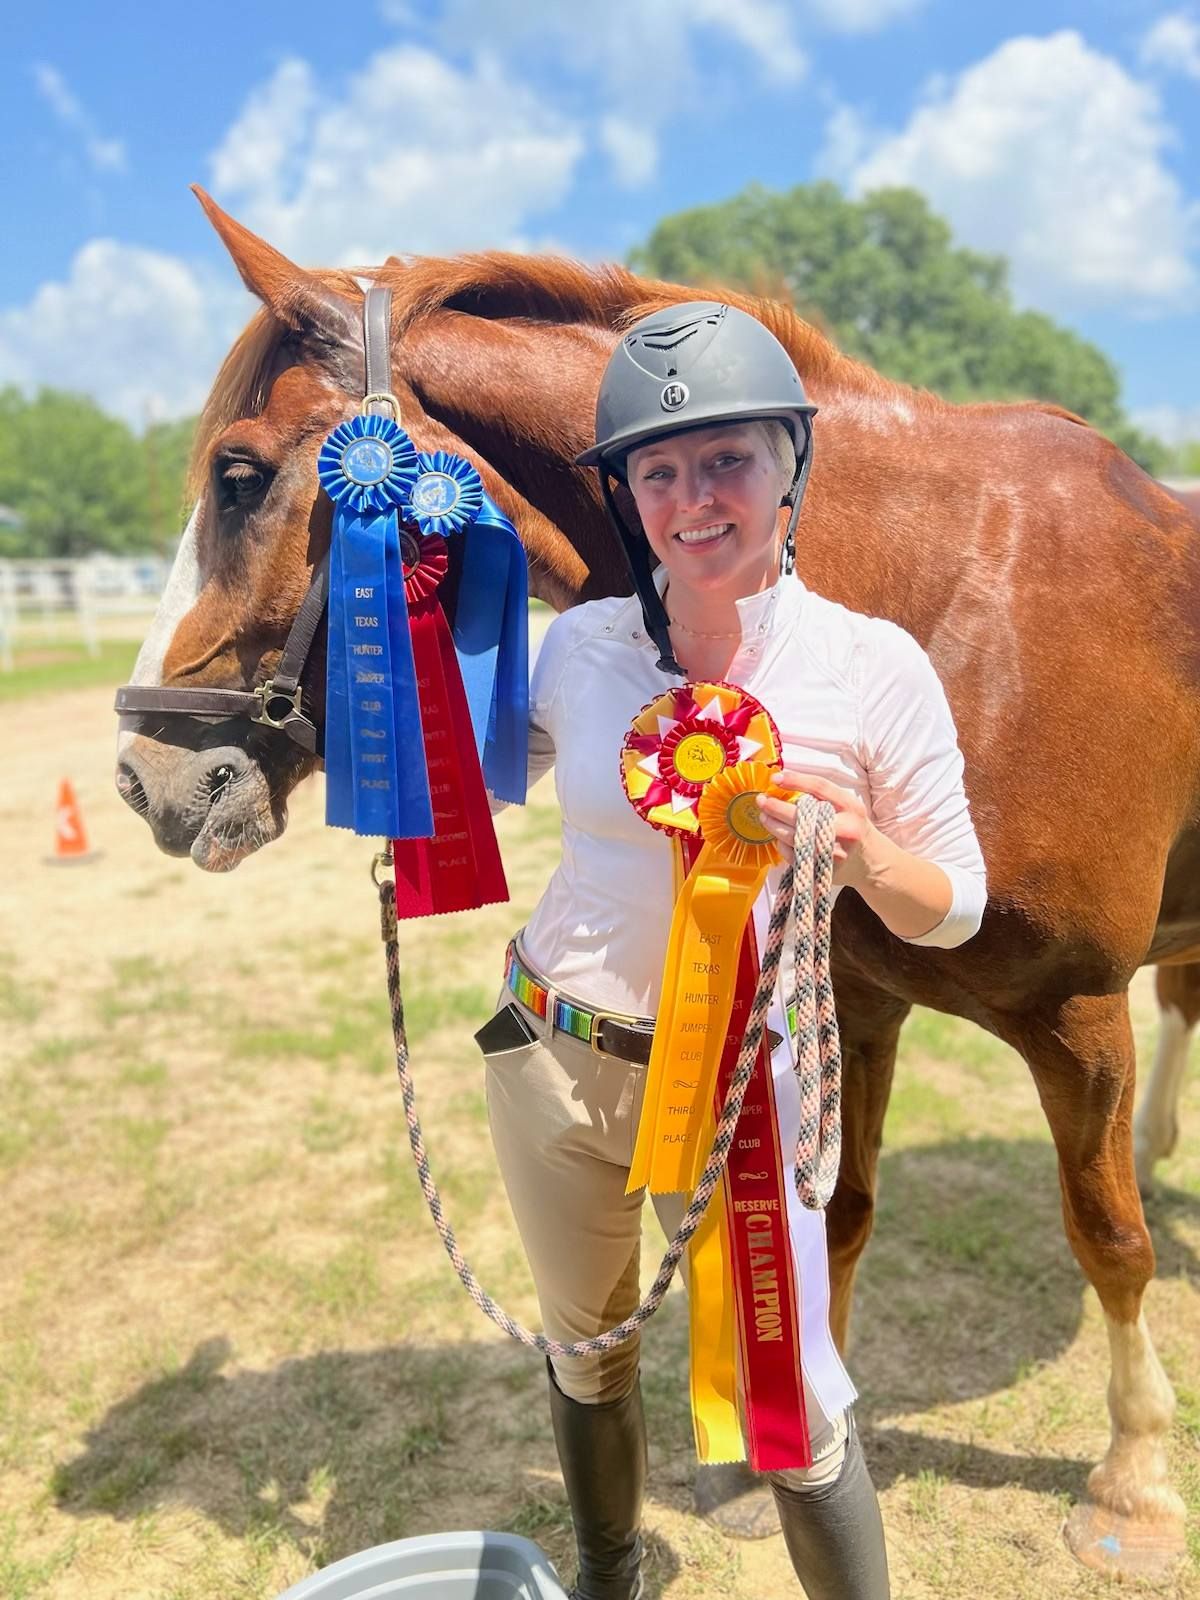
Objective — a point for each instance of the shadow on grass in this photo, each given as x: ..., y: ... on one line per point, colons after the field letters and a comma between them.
x: 341, y: 1450
x: 967, y: 1289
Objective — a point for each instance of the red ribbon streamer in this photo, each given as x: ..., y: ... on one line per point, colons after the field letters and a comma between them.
x: 775, y: 1421
x: 459, y: 868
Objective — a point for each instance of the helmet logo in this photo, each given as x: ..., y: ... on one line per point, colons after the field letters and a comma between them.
x: 674, y: 396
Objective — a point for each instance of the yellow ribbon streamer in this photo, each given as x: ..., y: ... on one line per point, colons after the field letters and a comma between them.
x: 699, y: 977
x: 713, y: 1338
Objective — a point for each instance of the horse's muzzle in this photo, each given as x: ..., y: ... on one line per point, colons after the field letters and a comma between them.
x: 214, y: 805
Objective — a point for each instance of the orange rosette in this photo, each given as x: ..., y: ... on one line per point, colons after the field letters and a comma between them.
x: 730, y: 819
x: 692, y: 765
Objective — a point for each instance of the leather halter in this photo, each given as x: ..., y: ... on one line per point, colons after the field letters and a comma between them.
x: 277, y: 702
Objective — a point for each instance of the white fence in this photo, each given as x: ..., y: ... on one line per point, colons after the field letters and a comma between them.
x: 98, y: 597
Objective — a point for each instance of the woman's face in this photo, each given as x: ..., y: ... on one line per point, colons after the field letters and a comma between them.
x: 709, y: 502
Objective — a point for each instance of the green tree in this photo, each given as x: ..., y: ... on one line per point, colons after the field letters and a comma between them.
x: 883, y: 276
x: 1185, y: 459
x: 82, y: 480
x: 167, y: 447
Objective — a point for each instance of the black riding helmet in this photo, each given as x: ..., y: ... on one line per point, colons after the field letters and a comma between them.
x: 689, y: 366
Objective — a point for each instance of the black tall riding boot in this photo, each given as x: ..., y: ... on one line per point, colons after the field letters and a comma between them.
x: 834, y: 1534
x: 602, y: 1452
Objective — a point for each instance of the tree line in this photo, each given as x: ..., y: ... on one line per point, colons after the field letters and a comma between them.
x: 881, y: 275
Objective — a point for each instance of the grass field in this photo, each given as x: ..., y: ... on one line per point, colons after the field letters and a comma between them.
x: 232, y: 1350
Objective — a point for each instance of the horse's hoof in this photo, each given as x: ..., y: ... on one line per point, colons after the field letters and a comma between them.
x: 1124, y: 1547
x: 735, y: 1500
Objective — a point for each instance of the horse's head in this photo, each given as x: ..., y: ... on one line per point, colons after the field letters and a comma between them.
x: 495, y: 357
x: 215, y: 786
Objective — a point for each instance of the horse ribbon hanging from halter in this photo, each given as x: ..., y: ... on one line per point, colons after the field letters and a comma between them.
x: 693, y: 765
x: 420, y: 714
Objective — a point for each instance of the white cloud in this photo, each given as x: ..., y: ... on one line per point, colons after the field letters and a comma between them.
x: 642, y: 50
x: 860, y: 16
x: 641, y: 55
x: 141, y: 332
x: 105, y: 155
x: 1051, y: 154
x: 633, y: 151
x: 414, y: 155
x: 1173, y: 43
x: 263, y: 146
x: 848, y: 136
x: 1174, y: 425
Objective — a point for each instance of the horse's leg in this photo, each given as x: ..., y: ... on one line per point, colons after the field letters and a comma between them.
x: 1156, y: 1126
x: 869, y: 1023
x: 1082, y: 1059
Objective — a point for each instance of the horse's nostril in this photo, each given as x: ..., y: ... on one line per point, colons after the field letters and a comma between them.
x: 218, y: 781
x: 129, y: 787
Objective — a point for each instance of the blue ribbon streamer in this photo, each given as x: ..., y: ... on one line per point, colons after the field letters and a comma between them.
x: 491, y: 637
x: 375, y: 776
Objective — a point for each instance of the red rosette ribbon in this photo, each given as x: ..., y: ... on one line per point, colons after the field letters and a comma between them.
x: 683, y: 740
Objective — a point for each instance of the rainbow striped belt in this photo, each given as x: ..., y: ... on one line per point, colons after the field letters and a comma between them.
x: 609, y: 1033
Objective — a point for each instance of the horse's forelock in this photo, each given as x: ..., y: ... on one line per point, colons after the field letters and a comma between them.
x: 244, y: 380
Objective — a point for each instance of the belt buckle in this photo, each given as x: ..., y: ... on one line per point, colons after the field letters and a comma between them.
x: 598, y: 1017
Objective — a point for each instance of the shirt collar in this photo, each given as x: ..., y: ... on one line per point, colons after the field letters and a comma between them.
x: 757, y: 613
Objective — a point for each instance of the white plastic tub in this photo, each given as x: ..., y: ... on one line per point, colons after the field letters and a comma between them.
x: 442, y: 1566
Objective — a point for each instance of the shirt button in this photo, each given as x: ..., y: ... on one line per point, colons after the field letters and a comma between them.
x: 608, y: 627
x: 636, y: 634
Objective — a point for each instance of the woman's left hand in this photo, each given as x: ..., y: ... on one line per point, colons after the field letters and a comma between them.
x: 854, y: 832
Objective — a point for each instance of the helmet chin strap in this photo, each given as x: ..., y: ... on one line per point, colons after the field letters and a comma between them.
x: 793, y: 498
x: 637, y: 553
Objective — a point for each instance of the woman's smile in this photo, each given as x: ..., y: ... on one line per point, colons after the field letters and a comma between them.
x: 704, y: 537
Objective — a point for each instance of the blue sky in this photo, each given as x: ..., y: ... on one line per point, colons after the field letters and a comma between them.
x: 1066, y: 135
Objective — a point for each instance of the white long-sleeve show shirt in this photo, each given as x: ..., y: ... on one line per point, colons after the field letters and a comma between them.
x: 856, y: 700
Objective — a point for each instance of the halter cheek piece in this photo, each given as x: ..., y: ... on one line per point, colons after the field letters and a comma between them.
x: 277, y: 702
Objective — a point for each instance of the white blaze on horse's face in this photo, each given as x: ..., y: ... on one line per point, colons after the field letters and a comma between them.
x: 178, y: 598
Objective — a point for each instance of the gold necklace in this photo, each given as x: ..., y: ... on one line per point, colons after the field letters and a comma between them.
x: 696, y: 633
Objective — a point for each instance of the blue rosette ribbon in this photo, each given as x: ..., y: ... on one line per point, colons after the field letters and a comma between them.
x: 445, y: 496
x: 491, y: 617
x: 376, y: 781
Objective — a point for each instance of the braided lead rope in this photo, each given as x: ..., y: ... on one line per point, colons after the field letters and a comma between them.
x: 730, y: 1111
x: 818, y: 1049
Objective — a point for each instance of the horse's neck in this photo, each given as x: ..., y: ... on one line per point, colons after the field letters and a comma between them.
x: 521, y: 397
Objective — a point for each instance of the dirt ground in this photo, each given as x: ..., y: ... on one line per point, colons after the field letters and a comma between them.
x: 231, y: 1349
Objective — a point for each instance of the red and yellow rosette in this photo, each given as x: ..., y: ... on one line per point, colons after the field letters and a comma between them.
x: 693, y: 765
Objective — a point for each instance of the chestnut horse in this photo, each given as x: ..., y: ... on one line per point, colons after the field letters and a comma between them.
x: 1054, y: 585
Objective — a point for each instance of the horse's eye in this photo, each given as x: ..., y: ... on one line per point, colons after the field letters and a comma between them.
x: 241, y: 483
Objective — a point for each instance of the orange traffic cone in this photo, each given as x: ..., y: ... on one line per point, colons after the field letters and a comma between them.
x: 70, y: 838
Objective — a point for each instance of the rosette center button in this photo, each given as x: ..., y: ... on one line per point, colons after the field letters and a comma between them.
x: 435, y: 494
x: 699, y: 756
x: 745, y: 819
x: 367, y: 461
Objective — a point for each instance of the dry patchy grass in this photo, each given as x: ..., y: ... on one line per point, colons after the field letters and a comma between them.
x: 232, y: 1348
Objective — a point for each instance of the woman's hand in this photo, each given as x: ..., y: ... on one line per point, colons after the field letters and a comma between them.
x: 856, y: 838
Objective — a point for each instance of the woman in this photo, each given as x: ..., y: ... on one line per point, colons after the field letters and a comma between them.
x: 702, y: 416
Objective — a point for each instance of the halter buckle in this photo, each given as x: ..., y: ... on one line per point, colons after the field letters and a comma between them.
x: 268, y: 696
x: 381, y: 397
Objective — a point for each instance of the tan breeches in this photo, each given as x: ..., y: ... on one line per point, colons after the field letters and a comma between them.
x: 563, y: 1120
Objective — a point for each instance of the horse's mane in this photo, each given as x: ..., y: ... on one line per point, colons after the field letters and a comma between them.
x: 500, y: 285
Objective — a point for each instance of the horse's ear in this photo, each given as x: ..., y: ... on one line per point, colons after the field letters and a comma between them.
x: 296, y: 297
